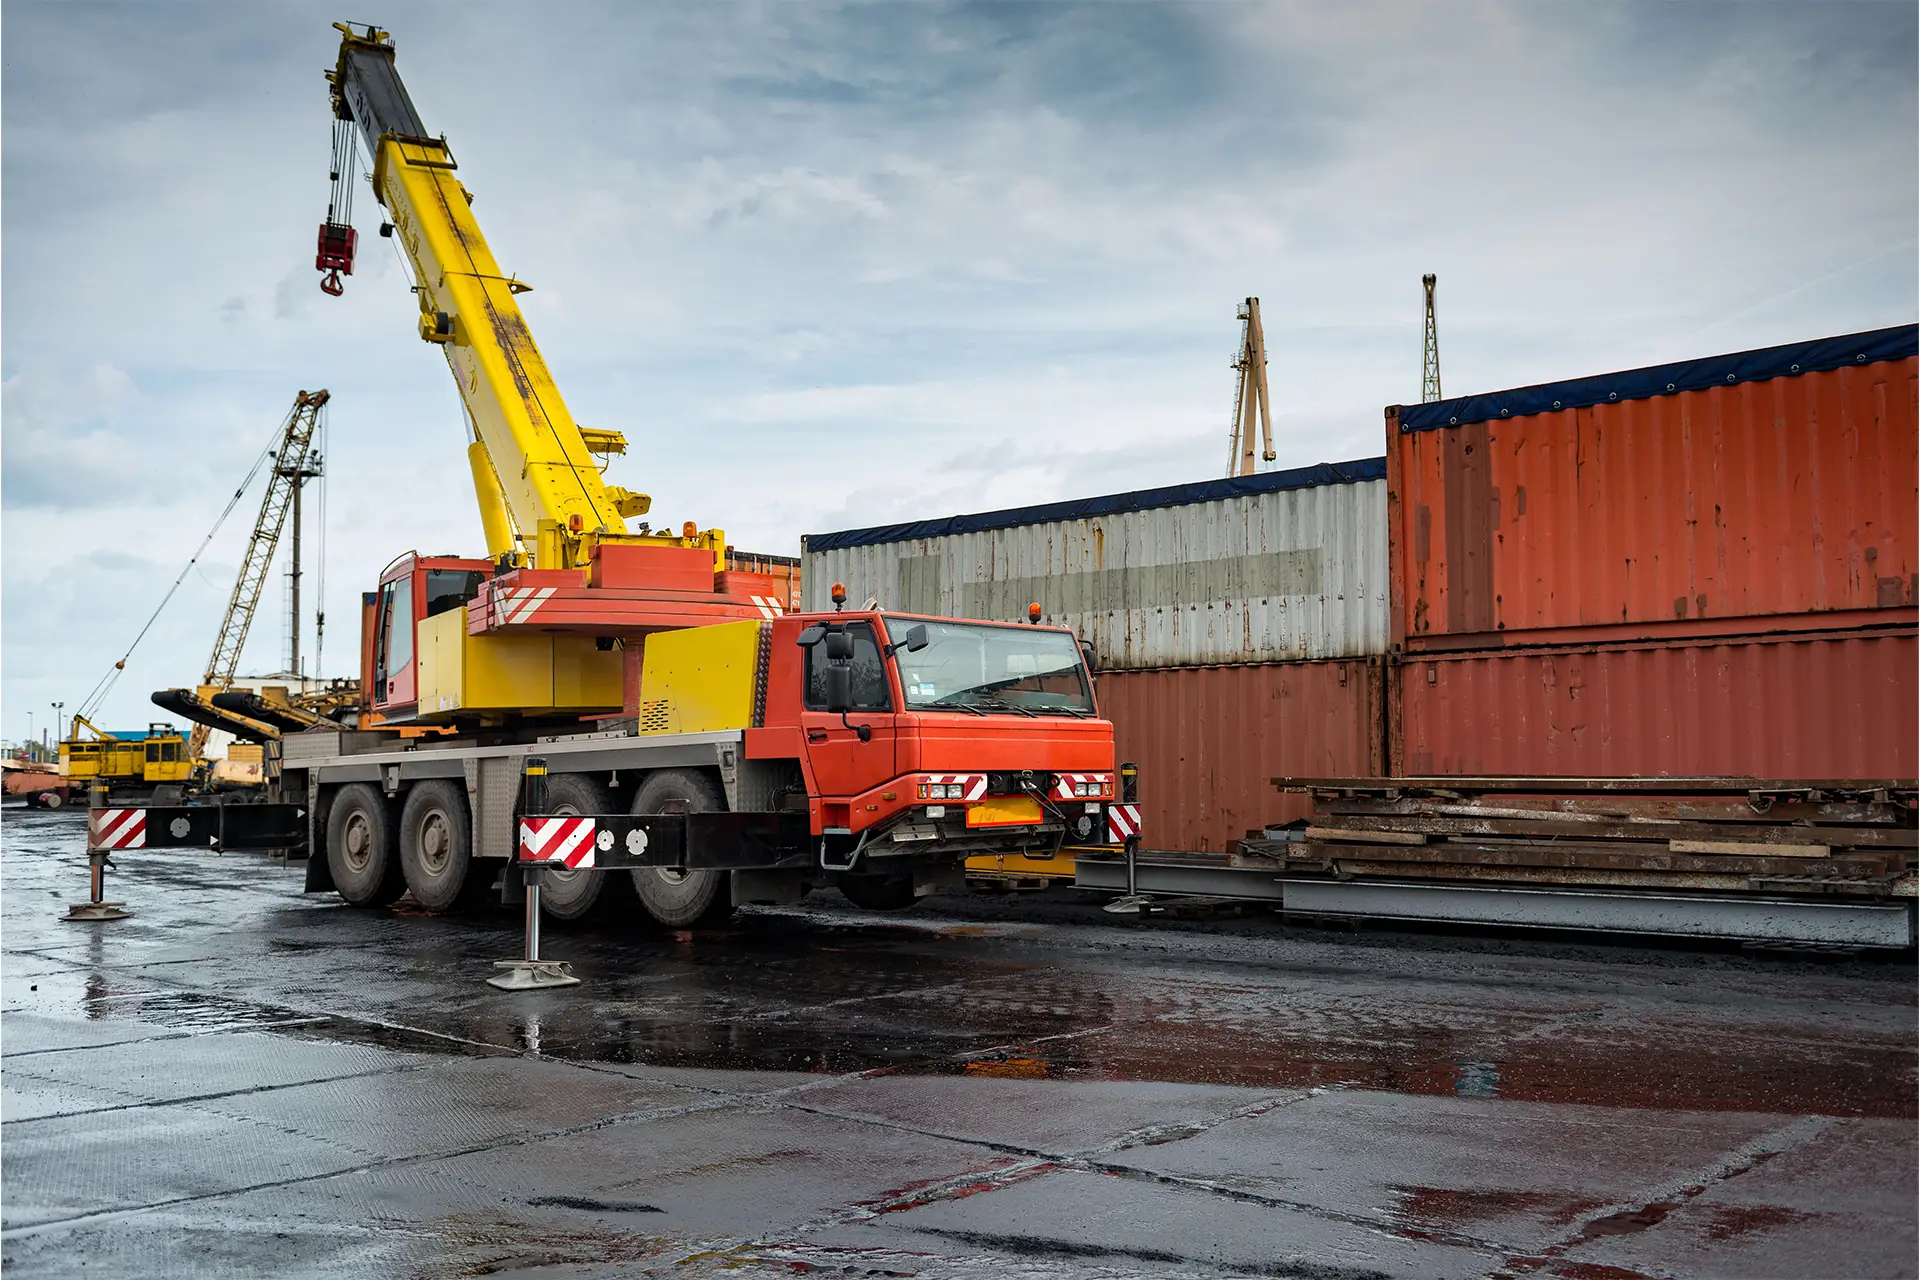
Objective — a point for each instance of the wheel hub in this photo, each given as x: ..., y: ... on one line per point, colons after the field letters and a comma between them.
x: 359, y: 842
x: 434, y: 841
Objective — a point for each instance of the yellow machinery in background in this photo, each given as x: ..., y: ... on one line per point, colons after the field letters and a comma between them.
x: 158, y: 756
x: 1005, y: 871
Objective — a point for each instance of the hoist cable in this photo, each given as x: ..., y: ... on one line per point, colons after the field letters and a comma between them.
x: 320, y: 607
x: 100, y: 690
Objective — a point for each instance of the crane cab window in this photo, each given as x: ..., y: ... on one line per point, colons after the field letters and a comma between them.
x: 153, y: 753
x: 396, y: 628
x: 450, y: 588
x: 869, y: 673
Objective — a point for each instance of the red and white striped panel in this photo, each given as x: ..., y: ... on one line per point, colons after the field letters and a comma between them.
x: 975, y: 784
x: 1123, y: 822
x: 568, y: 841
x: 117, y: 829
x: 769, y: 606
x: 1063, y: 784
x: 518, y: 604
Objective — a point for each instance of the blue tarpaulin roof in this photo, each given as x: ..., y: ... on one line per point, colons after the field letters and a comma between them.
x: 1175, y: 495
x: 1896, y: 343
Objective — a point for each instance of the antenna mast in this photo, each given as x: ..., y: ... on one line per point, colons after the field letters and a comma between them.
x: 1430, y: 361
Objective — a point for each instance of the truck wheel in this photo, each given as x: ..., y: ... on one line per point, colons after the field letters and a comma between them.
x: 564, y: 894
x: 436, y: 844
x: 879, y: 893
x: 360, y: 853
x: 679, y: 899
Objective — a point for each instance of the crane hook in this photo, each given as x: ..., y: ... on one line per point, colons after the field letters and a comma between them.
x: 330, y: 283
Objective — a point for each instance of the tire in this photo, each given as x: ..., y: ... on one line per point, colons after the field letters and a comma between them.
x: 879, y: 893
x: 360, y: 848
x: 681, y: 899
x: 436, y: 845
x: 571, y: 895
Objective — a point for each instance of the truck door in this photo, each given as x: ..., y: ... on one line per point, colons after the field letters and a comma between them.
x: 393, y: 669
x: 842, y: 764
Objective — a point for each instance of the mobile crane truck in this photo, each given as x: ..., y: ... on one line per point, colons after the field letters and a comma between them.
x: 695, y: 734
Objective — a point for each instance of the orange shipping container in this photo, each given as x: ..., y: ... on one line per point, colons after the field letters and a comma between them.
x: 1711, y: 497
x: 1829, y: 706
x: 1209, y: 740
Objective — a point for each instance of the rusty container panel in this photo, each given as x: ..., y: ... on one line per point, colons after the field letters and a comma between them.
x: 1838, y: 705
x: 1275, y: 567
x: 1209, y: 740
x: 1775, y: 489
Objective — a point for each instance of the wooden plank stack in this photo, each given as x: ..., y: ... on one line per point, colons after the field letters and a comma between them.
x: 1856, y: 837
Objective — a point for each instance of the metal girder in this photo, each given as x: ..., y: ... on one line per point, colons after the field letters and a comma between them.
x: 1684, y: 915
x: 1181, y: 879
x: 1860, y: 924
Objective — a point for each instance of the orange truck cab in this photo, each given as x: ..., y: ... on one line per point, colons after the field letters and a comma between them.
x: 932, y: 736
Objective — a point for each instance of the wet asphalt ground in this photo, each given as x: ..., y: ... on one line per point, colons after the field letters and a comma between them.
x: 242, y: 1080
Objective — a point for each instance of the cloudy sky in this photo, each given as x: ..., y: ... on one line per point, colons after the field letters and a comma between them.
x: 831, y: 265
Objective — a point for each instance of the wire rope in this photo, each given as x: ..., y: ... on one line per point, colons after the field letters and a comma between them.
x: 105, y: 686
x: 320, y: 606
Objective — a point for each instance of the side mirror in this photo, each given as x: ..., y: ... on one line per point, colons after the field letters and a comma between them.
x: 916, y: 637
x: 839, y: 647
x: 1086, y: 651
x: 811, y: 636
x: 839, y: 689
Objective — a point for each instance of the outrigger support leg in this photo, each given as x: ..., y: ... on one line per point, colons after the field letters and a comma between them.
x: 533, y: 973
x: 96, y: 907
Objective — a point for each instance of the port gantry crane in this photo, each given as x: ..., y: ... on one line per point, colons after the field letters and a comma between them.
x: 1250, y: 395
x: 545, y: 510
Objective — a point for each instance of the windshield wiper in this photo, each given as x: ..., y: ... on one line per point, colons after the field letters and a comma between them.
x: 949, y: 704
x: 1008, y: 706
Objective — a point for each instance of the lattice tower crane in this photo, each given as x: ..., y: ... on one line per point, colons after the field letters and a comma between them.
x: 289, y: 472
x: 1250, y: 390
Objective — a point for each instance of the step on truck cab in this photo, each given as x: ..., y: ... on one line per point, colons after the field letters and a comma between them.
x: 870, y: 751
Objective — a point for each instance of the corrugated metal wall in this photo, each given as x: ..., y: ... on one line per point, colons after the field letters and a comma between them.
x: 1208, y: 741
x: 1296, y: 574
x: 1827, y: 707
x: 1790, y: 495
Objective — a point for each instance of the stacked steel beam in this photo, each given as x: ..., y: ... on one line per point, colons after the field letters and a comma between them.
x: 1854, y: 838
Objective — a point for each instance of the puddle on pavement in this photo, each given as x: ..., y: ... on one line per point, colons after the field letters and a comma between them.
x: 820, y: 993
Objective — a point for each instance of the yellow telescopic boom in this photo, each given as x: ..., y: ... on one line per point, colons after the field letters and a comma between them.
x: 541, y: 496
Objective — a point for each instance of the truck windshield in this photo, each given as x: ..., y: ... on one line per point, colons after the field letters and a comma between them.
x: 1009, y: 670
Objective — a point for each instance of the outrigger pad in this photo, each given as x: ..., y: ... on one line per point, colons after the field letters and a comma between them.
x: 96, y: 911
x: 530, y: 975
x: 1138, y: 904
